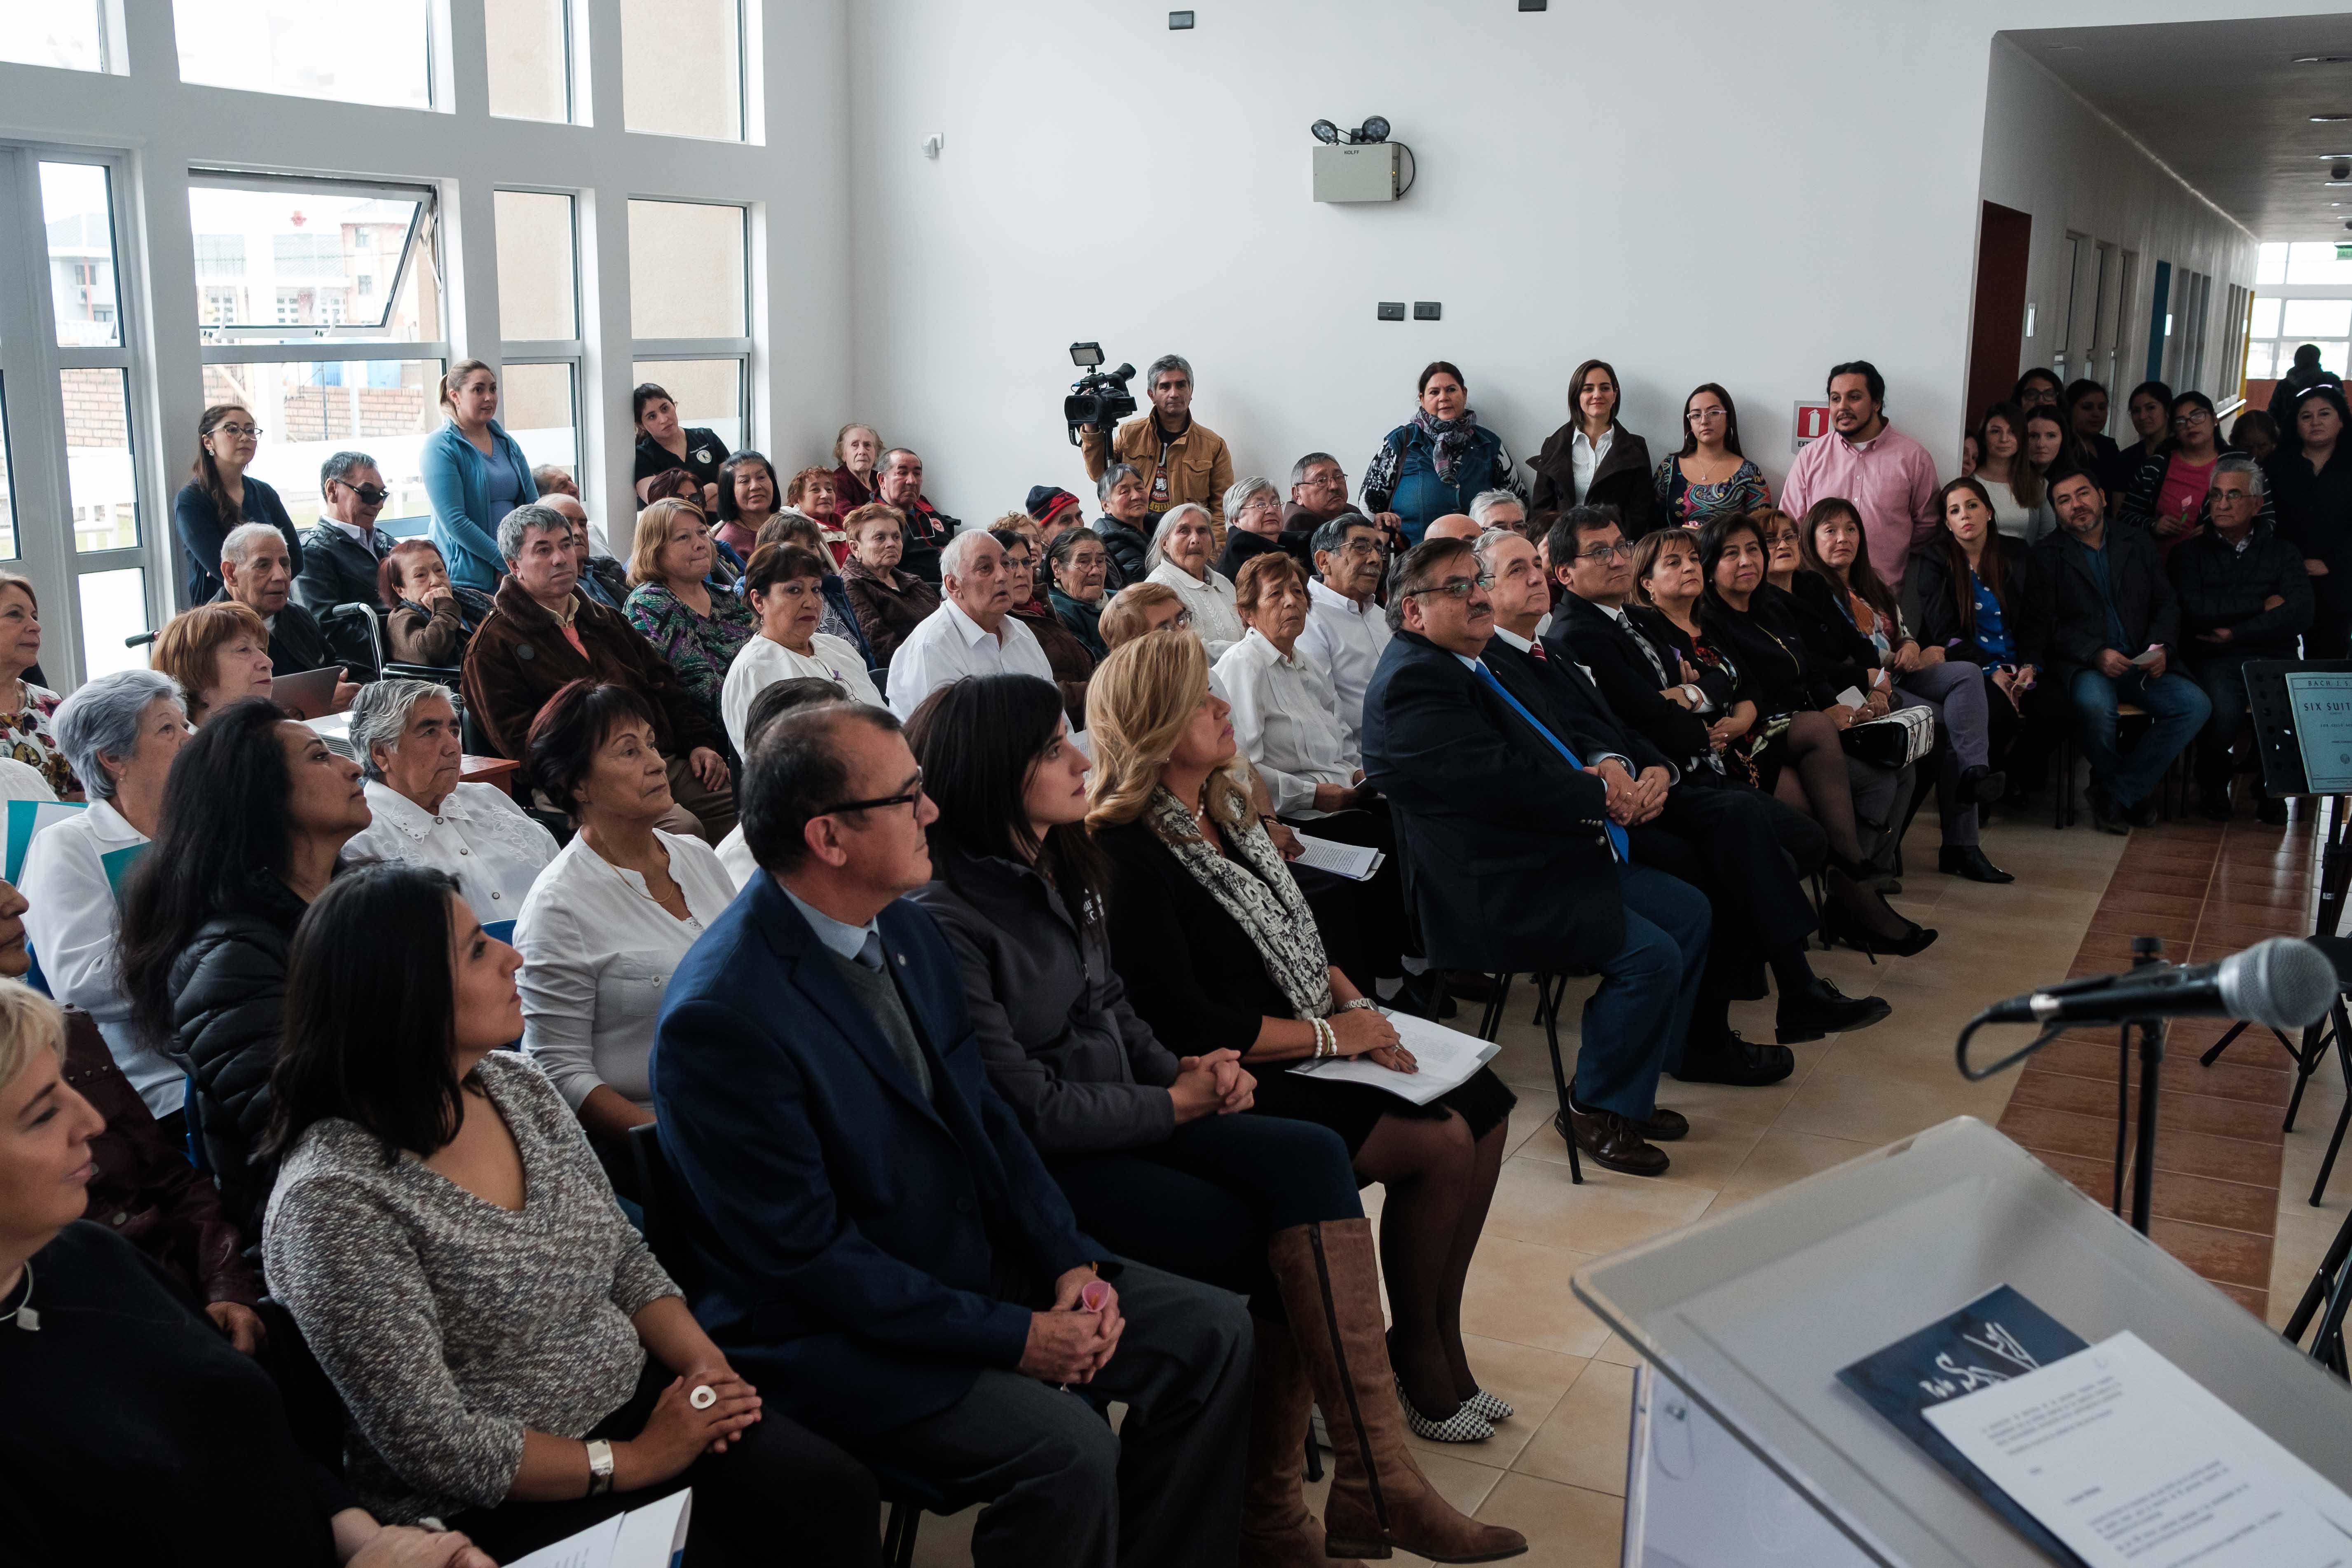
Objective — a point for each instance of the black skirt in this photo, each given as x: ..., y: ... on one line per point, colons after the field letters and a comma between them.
x: 1351, y: 1110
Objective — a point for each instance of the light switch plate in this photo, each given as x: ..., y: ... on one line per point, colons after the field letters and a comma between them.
x: 1427, y: 311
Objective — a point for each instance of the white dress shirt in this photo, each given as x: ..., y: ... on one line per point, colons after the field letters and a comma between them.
x: 950, y: 645
x: 735, y: 858
x: 763, y: 662
x: 479, y: 836
x: 597, y: 955
x: 1216, y: 621
x: 1585, y: 458
x: 1344, y: 639
x: 73, y: 927
x: 1285, y: 723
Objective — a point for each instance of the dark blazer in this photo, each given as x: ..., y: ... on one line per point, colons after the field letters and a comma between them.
x: 2221, y: 586
x: 520, y: 657
x: 2067, y: 600
x: 198, y: 524
x: 1126, y: 547
x: 1622, y: 479
x: 1941, y: 624
x: 852, y: 1236
x: 1505, y: 875
x: 338, y: 569
x: 295, y: 643
x: 1778, y: 670
x: 1241, y: 544
x: 1812, y: 605
x: 1585, y: 721
x: 1589, y: 635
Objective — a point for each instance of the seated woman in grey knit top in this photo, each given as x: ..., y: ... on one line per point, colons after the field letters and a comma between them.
x: 513, y: 1360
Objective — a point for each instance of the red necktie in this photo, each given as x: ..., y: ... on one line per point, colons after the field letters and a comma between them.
x: 1537, y: 648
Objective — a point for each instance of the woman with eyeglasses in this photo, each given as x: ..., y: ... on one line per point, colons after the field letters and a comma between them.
x: 1072, y: 666
x: 2167, y: 495
x: 1079, y: 566
x: 1593, y: 460
x: 219, y: 498
x: 784, y: 586
x: 1710, y: 476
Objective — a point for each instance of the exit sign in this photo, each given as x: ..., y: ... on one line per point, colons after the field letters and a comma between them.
x: 1812, y: 423
x: 2344, y: 253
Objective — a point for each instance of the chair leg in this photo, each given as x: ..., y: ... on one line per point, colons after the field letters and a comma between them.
x: 1490, y: 1021
x: 899, y: 1537
x: 1559, y: 1080
x: 1314, y: 1459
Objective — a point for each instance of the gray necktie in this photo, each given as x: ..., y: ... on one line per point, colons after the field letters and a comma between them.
x: 870, y: 954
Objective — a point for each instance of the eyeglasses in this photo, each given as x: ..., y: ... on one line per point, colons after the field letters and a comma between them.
x: 909, y: 798
x: 1623, y: 550
x: 2234, y: 495
x: 2190, y: 417
x: 238, y: 430
x: 1360, y: 547
x: 1455, y: 587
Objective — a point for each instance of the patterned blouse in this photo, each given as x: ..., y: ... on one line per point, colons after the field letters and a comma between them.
x: 26, y: 736
x: 1694, y: 505
x: 699, y: 647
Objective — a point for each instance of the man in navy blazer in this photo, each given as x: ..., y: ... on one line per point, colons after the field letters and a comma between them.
x: 882, y: 1248
x: 1513, y: 861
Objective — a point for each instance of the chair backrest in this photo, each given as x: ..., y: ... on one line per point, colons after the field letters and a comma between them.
x: 353, y: 633
x: 663, y: 1197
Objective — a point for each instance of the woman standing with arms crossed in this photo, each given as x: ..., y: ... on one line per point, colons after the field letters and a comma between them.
x: 474, y: 475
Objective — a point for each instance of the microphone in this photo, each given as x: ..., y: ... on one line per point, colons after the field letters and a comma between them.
x: 2285, y: 983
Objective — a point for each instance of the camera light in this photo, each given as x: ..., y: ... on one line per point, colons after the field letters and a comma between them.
x: 1085, y: 355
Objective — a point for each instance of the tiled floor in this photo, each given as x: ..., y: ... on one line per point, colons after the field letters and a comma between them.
x: 1557, y: 1470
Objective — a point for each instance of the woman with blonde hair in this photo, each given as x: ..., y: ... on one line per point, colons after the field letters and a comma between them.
x: 1141, y: 609
x: 1219, y: 952
x: 474, y: 474
x: 217, y: 653
x: 698, y: 629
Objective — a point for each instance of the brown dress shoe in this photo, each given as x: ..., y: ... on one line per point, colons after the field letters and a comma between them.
x: 1662, y: 1126
x: 1614, y: 1142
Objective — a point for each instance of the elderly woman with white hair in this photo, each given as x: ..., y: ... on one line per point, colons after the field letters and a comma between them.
x: 121, y: 732
x: 406, y: 734
x: 1179, y: 558
x: 1252, y: 522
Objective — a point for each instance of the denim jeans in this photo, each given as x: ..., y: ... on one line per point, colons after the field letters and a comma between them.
x: 2177, y: 707
x: 1635, y: 1023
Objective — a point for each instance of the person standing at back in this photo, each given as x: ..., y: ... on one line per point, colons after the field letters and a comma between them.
x: 218, y: 497
x: 474, y: 474
x: 1593, y: 460
x: 1432, y: 465
x: 1887, y: 476
x: 1181, y: 458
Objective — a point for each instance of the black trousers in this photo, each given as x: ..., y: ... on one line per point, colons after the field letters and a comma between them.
x: 1737, y: 845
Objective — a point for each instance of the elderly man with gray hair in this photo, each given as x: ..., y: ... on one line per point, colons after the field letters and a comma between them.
x: 258, y: 571
x: 406, y: 734
x: 543, y: 634
x: 974, y: 631
x: 1498, y: 508
x: 342, y: 552
x: 1177, y: 458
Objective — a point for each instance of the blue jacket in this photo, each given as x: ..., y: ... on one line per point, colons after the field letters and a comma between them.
x: 457, y: 481
x: 1403, y: 477
x: 847, y: 1230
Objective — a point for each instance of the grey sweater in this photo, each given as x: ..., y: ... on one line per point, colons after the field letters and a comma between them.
x: 448, y: 1324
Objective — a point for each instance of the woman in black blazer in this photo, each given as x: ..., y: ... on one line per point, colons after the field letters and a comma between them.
x: 220, y: 496
x: 1619, y: 479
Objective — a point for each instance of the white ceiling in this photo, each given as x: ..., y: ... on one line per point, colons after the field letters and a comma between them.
x: 2226, y: 106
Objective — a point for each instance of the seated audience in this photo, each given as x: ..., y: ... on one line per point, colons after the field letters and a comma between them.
x: 1498, y: 509
x: 1319, y: 493
x: 1078, y: 570
x: 554, y: 479
x: 1784, y: 560
x: 405, y: 732
x: 2021, y: 509
x: 256, y: 572
x: 2167, y: 497
x: 2149, y: 408
x: 474, y: 474
x: 255, y: 815
x: 2311, y: 480
x: 816, y: 1068
x: 974, y: 631
x: 1710, y: 476
x: 218, y: 497
x: 429, y: 619
x: 2049, y: 440
x: 1886, y: 475
x: 1431, y: 465
x: 854, y: 448
x: 608, y: 919
x: 128, y: 1393
x: 1592, y: 460
x: 665, y: 445
x: 890, y: 603
x: 544, y: 635
x: 1345, y: 627
x: 900, y: 483
x: 1974, y: 587
x: 1178, y: 557
x: 436, y: 1196
x: 1071, y: 663
x: 771, y: 703
x: 1055, y: 509
x: 26, y: 723
x: 2244, y: 595
x: 602, y: 578
x: 812, y: 493
x: 695, y: 627
x: 1181, y: 458
x: 748, y: 496
x: 1153, y: 1151
x: 1126, y: 517
x: 2112, y: 619
x: 784, y: 587
x: 121, y: 732
x: 1252, y: 522
x: 217, y: 653
x: 839, y: 617
x: 342, y: 552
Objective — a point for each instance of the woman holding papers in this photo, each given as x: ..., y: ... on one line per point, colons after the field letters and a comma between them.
x: 1152, y: 1147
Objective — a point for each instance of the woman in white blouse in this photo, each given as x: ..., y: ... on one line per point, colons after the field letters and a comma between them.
x: 613, y: 913
x: 784, y: 586
x: 406, y: 734
x: 1286, y: 716
x: 1178, y: 557
x: 121, y: 732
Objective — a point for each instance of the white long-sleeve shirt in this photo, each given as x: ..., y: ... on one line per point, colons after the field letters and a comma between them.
x: 1216, y: 621
x: 1285, y: 723
x: 763, y: 662
x: 950, y: 645
x: 478, y: 835
x: 1345, y: 639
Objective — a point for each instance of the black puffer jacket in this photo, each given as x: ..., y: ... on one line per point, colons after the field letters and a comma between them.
x: 1126, y: 547
x: 228, y: 998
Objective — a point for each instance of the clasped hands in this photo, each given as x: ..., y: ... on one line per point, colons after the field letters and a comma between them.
x: 1631, y: 800
x: 1070, y: 1342
x: 1212, y: 1085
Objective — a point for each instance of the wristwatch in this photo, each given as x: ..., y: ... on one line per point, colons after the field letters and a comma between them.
x: 600, y: 1467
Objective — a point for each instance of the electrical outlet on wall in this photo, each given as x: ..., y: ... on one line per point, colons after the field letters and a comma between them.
x: 1427, y: 311
x: 1392, y: 310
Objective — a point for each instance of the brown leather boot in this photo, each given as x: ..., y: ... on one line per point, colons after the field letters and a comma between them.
x: 1380, y: 1500
x: 1277, y: 1530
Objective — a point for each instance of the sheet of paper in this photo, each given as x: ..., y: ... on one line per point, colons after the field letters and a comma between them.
x: 1358, y: 861
x: 2148, y: 656
x: 591, y: 1548
x: 2132, y: 1464
x: 652, y: 1535
x: 1445, y: 1057
x: 1851, y: 696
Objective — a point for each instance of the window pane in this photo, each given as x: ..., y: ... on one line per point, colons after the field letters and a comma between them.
x: 113, y: 606
x: 99, y: 476
x: 2258, y: 360
x: 686, y: 270
x: 2332, y: 357
x: 354, y: 51
x: 7, y: 488
x: 529, y: 73
x: 2316, y: 319
x: 318, y: 262
x: 537, y: 292
x: 682, y: 67
x: 2270, y: 264
x: 2314, y: 262
x: 383, y: 408
x: 535, y: 407
x: 47, y: 33
x: 707, y: 392
x: 80, y: 221
x: 2266, y: 319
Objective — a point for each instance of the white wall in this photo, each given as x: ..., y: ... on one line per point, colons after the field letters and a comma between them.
x: 1699, y: 190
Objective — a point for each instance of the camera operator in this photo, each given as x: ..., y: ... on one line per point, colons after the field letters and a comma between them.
x: 1180, y: 459
x: 899, y: 481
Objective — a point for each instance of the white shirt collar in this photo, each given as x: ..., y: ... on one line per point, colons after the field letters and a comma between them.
x: 110, y: 826
x: 1512, y: 638
x: 1318, y: 593
x: 1580, y: 438
x: 971, y: 631
x: 365, y: 536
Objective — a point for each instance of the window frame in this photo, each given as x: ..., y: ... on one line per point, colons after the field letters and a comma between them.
x: 742, y: 348
x: 572, y: 352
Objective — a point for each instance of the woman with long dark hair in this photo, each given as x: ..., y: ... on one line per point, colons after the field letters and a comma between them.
x: 1710, y: 476
x: 666, y: 445
x: 219, y: 498
x: 1975, y: 585
x: 2021, y: 510
x: 748, y: 495
x: 435, y: 1195
x: 2311, y: 486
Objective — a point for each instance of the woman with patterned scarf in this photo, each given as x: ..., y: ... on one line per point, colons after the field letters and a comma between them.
x: 1440, y: 461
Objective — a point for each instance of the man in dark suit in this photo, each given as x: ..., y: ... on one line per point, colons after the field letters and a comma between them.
x: 342, y: 552
x: 2112, y: 619
x: 1739, y: 847
x: 1513, y: 861
x: 884, y: 1252
x: 258, y: 571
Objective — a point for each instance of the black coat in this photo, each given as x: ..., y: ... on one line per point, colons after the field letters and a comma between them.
x: 1241, y: 544
x: 1126, y: 548
x: 1811, y: 606
x: 1584, y: 720
x: 1583, y: 632
x: 338, y: 569
x: 198, y: 524
x: 1943, y: 624
x: 1622, y: 479
x: 1778, y: 670
x: 2221, y: 587
x: 1506, y: 858
x: 2315, y: 514
x: 2067, y: 602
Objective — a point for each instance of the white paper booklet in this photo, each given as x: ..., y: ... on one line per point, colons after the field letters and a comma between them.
x: 648, y: 1537
x: 1358, y: 861
x: 1446, y: 1056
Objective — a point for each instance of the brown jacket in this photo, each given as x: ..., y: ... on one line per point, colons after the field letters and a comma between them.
x: 520, y: 657
x: 887, y: 609
x: 1199, y: 467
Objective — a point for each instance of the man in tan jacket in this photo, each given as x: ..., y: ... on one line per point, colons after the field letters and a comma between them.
x: 1180, y: 459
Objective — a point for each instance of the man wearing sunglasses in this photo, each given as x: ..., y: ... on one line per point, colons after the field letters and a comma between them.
x: 342, y: 552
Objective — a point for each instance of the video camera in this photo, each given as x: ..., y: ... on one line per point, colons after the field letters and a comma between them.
x: 1099, y: 398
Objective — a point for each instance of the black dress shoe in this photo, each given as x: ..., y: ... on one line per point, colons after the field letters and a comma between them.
x: 2272, y: 813
x: 1611, y: 1141
x: 2141, y: 813
x: 2106, y: 815
x: 1969, y: 861
x: 1662, y: 1126
x: 1743, y: 1064
x: 1820, y: 1009
x: 1980, y: 786
x: 2213, y: 803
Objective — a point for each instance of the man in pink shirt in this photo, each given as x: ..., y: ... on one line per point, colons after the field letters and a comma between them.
x: 1889, y: 477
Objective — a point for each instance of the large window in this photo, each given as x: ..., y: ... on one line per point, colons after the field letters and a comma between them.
x: 539, y: 318
x: 354, y: 51
x: 72, y: 35
x: 689, y: 308
x: 682, y: 67
x: 530, y: 52
x: 2280, y: 326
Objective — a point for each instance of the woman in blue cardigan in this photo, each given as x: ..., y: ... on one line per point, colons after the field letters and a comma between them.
x: 1438, y: 463
x: 474, y: 475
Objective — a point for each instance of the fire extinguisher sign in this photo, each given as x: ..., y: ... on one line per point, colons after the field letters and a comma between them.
x: 1812, y: 423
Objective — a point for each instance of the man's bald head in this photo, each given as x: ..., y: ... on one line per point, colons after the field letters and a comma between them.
x: 1452, y: 525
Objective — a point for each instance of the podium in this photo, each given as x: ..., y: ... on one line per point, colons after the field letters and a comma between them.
x: 1747, y: 1316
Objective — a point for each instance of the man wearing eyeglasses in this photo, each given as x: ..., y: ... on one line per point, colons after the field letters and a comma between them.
x: 342, y: 552
x: 1346, y: 631
x: 1518, y: 861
